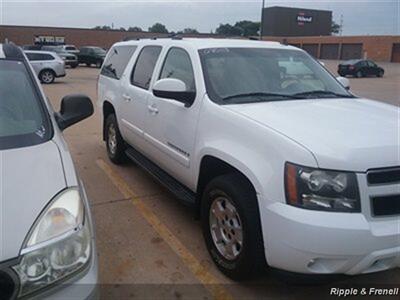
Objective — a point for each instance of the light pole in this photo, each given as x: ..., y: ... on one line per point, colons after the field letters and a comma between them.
x: 262, y: 19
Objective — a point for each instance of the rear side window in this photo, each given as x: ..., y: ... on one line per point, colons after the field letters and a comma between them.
x: 179, y: 66
x: 143, y: 70
x: 70, y: 48
x: 39, y: 56
x: 116, y: 61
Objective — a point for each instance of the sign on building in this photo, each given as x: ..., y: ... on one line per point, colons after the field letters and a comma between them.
x: 48, y: 39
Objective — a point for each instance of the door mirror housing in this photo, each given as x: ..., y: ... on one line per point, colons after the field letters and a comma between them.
x: 344, y: 81
x: 175, y: 89
x: 73, y: 109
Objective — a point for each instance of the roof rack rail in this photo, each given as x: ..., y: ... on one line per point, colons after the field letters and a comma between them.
x: 173, y: 36
x: 12, y: 51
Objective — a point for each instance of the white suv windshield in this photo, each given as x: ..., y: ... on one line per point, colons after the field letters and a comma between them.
x: 22, y: 118
x: 241, y: 75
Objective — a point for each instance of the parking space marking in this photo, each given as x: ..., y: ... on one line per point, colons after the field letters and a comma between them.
x: 200, y: 272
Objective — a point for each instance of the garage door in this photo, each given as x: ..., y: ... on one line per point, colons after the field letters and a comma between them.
x: 312, y: 49
x: 351, y: 51
x: 329, y: 51
x: 396, y: 53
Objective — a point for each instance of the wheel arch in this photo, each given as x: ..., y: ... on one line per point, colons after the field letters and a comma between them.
x: 212, y: 165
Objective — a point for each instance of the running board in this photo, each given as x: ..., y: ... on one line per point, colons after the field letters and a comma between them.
x: 183, y: 193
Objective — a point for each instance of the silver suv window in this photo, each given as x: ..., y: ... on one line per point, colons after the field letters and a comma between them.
x: 23, y: 120
x: 116, y: 61
x: 39, y: 56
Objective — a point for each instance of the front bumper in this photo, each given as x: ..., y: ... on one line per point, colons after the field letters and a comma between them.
x: 71, y: 62
x: 315, y: 242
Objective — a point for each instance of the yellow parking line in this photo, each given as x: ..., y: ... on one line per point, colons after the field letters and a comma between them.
x: 200, y: 272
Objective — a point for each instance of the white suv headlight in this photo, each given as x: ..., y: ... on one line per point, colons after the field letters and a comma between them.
x: 58, y: 244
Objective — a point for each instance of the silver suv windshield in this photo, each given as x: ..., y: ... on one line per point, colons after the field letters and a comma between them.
x: 243, y: 75
x: 23, y: 121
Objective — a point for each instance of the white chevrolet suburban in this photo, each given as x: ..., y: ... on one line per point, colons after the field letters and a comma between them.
x: 287, y: 167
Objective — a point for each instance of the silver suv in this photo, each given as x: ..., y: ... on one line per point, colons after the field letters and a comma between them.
x: 69, y: 58
x: 47, y: 246
x: 47, y: 65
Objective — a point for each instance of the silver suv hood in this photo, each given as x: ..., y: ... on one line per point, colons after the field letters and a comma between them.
x: 30, y: 177
x: 342, y: 134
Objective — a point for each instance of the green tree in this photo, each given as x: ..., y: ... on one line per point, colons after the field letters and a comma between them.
x: 158, y: 28
x: 248, y: 28
x: 190, y: 31
x: 229, y: 30
x: 335, y: 27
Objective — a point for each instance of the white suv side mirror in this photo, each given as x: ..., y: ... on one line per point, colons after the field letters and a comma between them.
x: 344, y: 81
x: 175, y: 89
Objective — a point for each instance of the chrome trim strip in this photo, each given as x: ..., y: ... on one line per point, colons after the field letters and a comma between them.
x: 51, y: 241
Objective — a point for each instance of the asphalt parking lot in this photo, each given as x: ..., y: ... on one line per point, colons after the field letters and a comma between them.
x: 149, y: 245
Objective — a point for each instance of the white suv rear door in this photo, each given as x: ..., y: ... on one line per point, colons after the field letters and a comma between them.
x: 135, y: 91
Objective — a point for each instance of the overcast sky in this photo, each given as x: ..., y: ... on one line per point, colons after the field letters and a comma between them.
x: 359, y: 16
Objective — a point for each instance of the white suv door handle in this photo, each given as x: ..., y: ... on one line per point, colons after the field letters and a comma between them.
x: 126, y: 97
x: 152, y: 109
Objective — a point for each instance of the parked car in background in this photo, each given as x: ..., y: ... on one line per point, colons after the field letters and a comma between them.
x: 47, y: 65
x: 360, y: 68
x: 47, y: 237
x: 69, y: 58
x: 70, y: 49
x: 266, y: 144
x: 91, y: 56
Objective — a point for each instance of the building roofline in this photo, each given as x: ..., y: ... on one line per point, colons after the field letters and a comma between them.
x: 102, y: 30
x: 298, y: 8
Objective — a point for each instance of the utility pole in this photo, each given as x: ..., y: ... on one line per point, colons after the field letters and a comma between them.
x: 341, y: 25
x: 262, y: 20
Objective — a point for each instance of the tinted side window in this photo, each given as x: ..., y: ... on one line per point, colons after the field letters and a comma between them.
x: 46, y: 57
x: 31, y: 56
x: 39, y: 56
x: 116, y: 62
x: 178, y: 65
x: 144, y: 67
x: 362, y: 64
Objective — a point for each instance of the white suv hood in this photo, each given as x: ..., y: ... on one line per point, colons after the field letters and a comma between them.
x: 342, y: 134
x: 29, y: 178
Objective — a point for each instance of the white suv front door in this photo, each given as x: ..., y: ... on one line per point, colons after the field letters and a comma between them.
x: 170, y: 127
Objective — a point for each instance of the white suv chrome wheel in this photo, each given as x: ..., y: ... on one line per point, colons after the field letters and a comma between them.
x: 112, y: 139
x: 226, y: 228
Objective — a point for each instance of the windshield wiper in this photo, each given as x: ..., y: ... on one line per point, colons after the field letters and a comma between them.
x: 322, y: 92
x: 261, y: 94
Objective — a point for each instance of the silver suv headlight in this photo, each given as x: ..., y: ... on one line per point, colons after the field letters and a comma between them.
x: 320, y: 189
x: 58, y: 244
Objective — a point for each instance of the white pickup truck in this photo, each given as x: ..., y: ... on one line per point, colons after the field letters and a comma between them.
x: 287, y: 167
